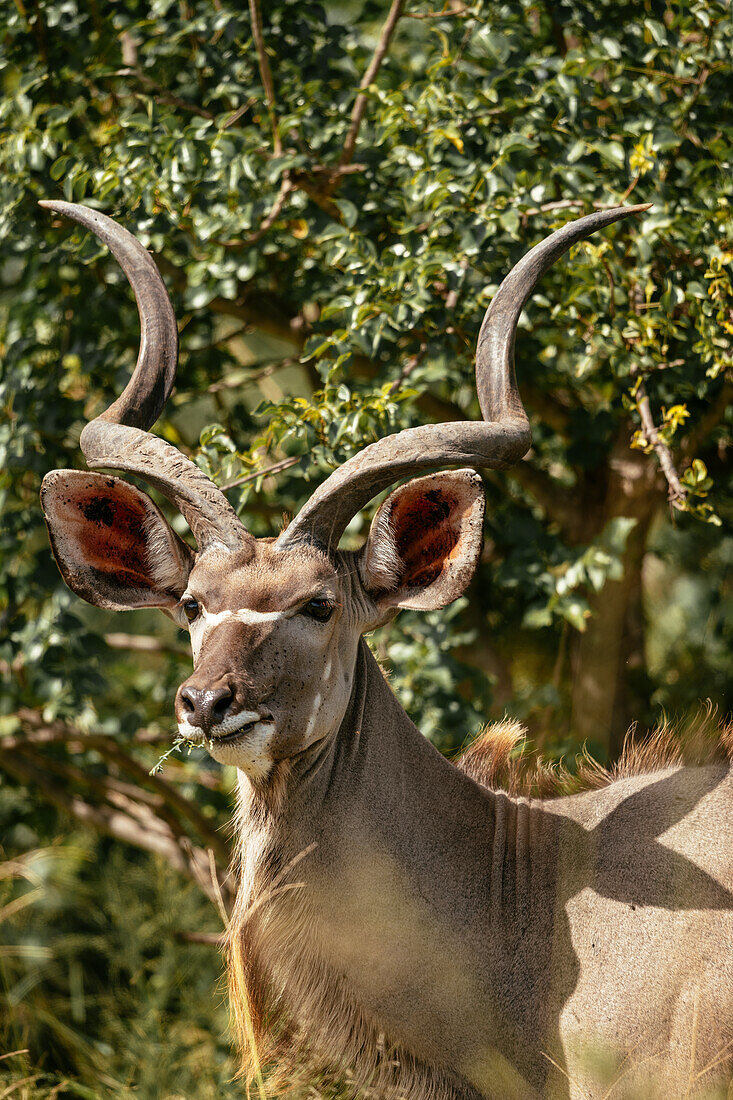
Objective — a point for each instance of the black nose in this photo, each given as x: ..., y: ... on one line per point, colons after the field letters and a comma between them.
x: 205, y: 707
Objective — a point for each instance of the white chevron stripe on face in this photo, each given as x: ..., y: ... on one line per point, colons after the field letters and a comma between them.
x: 243, y: 615
x: 207, y: 620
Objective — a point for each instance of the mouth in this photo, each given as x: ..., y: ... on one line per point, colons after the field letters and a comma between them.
x: 235, y: 727
x: 235, y: 735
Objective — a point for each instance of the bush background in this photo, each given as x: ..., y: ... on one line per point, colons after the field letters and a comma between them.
x: 333, y: 200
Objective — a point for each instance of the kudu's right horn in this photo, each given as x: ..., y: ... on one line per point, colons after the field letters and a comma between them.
x: 118, y: 438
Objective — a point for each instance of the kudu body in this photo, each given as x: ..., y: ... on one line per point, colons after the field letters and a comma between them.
x: 400, y: 918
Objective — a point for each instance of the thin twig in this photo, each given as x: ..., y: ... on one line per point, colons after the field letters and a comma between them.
x: 565, y: 204
x: 115, y: 822
x: 677, y: 492
x: 285, y: 188
x: 234, y: 118
x: 263, y: 372
x: 408, y: 368
x: 40, y: 731
x: 319, y: 193
x: 629, y: 189
x: 212, y: 939
x: 276, y: 468
x: 564, y: 1072
x: 693, y: 1041
x: 265, y: 73
x: 176, y: 805
x: 437, y: 14
x: 719, y: 1058
x: 357, y: 114
x: 19, y: 1084
x: 151, y: 87
x: 216, y: 886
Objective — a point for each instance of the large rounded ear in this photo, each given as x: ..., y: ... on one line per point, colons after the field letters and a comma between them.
x: 113, y: 546
x: 424, y: 542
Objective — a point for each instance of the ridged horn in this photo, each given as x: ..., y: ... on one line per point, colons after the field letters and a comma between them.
x: 118, y: 439
x: 500, y: 440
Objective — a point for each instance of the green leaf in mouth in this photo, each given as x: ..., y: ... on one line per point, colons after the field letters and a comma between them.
x: 177, y: 743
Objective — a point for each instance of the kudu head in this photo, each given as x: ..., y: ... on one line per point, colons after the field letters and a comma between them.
x: 275, y: 623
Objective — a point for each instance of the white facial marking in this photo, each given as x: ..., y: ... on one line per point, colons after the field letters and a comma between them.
x: 207, y: 620
x: 230, y: 724
x: 250, y: 754
x: 243, y: 615
x: 318, y: 699
x: 314, y: 714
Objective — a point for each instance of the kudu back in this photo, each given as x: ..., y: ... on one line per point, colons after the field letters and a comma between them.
x: 402, y: 921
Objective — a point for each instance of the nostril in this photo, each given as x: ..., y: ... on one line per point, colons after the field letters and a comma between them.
x: 222, y: 701
x: 204, y: 707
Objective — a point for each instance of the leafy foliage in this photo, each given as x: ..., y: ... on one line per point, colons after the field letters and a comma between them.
x: 332, y: 214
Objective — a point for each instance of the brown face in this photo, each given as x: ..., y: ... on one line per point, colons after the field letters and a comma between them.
x: 273, y: 644
x: 274, y: 630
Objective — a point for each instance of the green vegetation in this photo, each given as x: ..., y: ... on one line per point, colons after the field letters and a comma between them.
x: 332, y: 206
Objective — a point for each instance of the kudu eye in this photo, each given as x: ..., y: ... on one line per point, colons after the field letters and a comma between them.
x: 319, y: 609
x: 191, y: 609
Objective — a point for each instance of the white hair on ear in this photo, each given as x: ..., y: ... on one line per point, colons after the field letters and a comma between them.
x: 162, y: 556
x: 381, y: 565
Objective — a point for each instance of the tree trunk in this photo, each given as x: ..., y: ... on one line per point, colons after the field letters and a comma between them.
x: 601, y: 703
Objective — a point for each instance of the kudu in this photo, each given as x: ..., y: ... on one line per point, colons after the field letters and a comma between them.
x: 401, y: 919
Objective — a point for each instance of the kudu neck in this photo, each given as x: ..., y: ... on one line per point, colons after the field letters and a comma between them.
x: 397, y: 837
x: 380, y: 773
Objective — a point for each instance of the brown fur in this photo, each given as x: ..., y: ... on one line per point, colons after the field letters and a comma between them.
x: 500, y: 760
x: 278, y: 1051
x: 283, y: 1055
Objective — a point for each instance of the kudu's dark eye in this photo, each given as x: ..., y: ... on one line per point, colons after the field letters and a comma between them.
x: 191, y: 609
x: 320, y: 609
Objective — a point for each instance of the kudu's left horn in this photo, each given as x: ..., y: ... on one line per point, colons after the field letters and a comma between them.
x: 502, y: 438
x: 118, y: 439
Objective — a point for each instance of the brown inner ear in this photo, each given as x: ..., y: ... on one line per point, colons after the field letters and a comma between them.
x: 424, y: 534
x: 110, y: 526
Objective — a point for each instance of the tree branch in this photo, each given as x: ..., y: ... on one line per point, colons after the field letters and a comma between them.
x: 143, y: 830
x: 459, y: 11
x: 677, y: 492
x: 276, y: 468
x: 143, y: 643
x: 269, y: 219
x: 357, y: 114
x: 564, y: 204
x: 409, y: 367
x: 160, y: 93
x: 175, y: 807
x: 265, y: 73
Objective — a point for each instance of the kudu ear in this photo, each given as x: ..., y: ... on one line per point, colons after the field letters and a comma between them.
x: 424, y: 542
x: 113, y: 546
